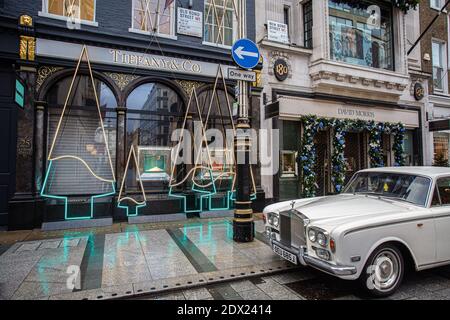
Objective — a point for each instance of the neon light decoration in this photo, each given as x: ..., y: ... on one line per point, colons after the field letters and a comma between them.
x: 121, y: 200
x: 224, y: 168
x: 203, y: 189
x: 93, y: 166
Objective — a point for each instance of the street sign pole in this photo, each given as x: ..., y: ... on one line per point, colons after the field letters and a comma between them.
x: 243, y: 224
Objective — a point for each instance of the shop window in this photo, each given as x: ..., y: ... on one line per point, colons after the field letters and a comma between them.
x: 441, y: 146
x: 287, y: 18
x: 154, y: 111
x: 308, y: 24
x: 408, y: 148
x: 79, y: 9
x: 219, y: 135
x: 153, y: 16
x: 436, y: 4
x: 361, y: 33
x: 439, y: 66
x: 220, y: 22
x: 443, y: 186
x: 80, y: 136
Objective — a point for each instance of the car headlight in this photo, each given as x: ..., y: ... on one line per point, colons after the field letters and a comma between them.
x: 312, y: 235
x: 322, y: 239
x: 273, y: 219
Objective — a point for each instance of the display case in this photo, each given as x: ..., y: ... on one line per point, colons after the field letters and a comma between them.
x: 222, y: 164
x: 154, y: 163
x: 289, y: 168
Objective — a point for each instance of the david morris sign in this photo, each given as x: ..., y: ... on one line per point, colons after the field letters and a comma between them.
x: 108, y: 56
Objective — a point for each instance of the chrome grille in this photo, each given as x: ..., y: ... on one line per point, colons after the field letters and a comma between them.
x: 298, y: 236
x: 285, y: 228
x: 292, y: 229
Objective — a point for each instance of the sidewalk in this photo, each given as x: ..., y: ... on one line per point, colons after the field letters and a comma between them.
x: 126, y: 260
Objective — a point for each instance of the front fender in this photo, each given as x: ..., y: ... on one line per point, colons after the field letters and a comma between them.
x: 373, y: 246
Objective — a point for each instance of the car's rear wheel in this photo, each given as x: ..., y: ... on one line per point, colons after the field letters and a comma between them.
x: 384, y: 271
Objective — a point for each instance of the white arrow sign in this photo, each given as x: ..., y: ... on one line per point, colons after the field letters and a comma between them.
x: 241, y: 53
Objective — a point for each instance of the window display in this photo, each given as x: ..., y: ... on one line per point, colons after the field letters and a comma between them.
x: 289, y: 164
x: 154, y: 163
x: 357, y: 36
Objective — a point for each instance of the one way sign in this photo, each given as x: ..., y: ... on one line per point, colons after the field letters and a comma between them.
x: 245, y: 53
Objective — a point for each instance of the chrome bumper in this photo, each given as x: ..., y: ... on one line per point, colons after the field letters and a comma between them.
x: 306, y: 260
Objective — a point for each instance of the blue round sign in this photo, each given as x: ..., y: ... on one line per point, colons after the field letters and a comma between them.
x: 245, y: 53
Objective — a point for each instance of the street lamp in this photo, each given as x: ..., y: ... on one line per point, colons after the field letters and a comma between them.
x: 243, y: 224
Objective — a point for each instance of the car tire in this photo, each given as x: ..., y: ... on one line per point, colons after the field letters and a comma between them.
x: 383, y: 272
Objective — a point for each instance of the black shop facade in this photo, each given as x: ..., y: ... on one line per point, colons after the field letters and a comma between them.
x: 101, y: 123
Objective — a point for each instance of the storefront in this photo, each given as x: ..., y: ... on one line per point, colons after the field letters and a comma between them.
x: 325, y: 140
x: 82, y: 175
x: 96, y: 163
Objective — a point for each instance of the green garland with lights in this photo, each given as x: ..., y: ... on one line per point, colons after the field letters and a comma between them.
x: 308, y: 155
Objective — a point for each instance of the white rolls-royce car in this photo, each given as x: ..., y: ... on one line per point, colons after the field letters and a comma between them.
x: 385, y: 220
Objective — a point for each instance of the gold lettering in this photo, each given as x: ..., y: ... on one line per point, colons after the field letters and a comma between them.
x: 115, y: 54
x: 196, y: 68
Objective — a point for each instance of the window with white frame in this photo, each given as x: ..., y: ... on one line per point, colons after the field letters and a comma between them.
x: 154, y: 16
x: 439, y: 66
x: 436, y: 4
x: 79, y: 9
x: 220, y: 22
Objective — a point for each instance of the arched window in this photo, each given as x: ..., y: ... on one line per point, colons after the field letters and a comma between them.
x: 154, y: 111
x: 80, y: 136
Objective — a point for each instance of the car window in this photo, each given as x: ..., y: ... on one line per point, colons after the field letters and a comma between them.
x: 436, y: 201
x: 397, y: 186
x: 443, y: 185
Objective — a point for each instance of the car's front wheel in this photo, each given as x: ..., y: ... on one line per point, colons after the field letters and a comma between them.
x: 383, y: 272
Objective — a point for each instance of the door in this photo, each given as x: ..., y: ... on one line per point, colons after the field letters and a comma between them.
x: 353, y: 154
x: 8, y: 122
x: 441, y: 211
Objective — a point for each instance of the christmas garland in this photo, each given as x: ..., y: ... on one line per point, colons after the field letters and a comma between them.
x: 375, y: 149
x: 308, y: 155
x: 337, y: 158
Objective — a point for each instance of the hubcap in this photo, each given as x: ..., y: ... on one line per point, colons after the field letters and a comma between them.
x: 385, y: 270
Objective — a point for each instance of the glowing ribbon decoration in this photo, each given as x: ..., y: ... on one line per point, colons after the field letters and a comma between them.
x: 230, y: 193
x: 195, y: 186
x: 84, y: 53
x: 121, y: 199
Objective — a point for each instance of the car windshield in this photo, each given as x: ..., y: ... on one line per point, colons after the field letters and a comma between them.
x: 401, y: 187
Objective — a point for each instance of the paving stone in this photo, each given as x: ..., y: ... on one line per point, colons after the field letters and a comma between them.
x: 28, y: 246
x: 49, y: 245
x: 173, y: 296
x: 125, y: 275
x: 70, y: 242
x: 244, y: 285
x: 197, y: 294
x: 33, y: 290
x: 255, y: 294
